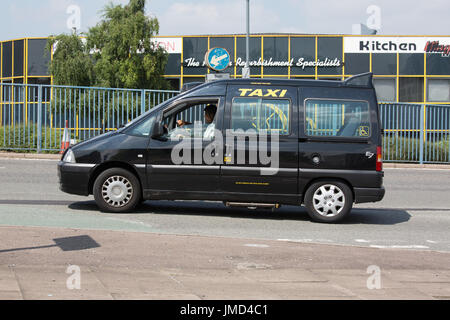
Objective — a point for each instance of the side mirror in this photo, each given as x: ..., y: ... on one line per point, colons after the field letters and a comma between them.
x: 158, y: 130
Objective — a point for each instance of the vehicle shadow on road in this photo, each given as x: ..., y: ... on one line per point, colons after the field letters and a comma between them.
x: 213, y: 209
x: 377, y: 216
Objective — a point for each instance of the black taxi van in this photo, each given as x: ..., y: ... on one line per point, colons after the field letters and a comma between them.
x: 245, y: 142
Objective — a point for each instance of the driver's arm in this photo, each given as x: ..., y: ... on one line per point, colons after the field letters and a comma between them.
x: 181, y: 123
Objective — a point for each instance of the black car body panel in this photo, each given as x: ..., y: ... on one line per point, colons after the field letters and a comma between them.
x: 74, y: 178
x: 305, y: 156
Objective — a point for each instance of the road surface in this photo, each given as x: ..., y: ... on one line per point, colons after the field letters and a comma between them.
x: 415, y: 213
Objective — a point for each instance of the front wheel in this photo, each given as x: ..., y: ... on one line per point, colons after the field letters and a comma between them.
x: 328, y: 201
x: 117, y: 190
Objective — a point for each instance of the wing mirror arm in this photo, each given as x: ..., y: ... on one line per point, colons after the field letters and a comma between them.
x: 158, y: 131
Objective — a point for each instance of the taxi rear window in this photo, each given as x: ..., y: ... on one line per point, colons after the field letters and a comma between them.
x: 337, y: 118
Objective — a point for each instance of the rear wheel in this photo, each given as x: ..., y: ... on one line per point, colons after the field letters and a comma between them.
x: 117, y: 190
x: 328, y: 201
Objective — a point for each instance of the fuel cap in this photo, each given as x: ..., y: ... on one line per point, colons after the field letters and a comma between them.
x: 316, y: 159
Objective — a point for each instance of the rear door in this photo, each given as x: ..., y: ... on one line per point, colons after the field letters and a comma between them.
x: 338, y: 134
x: 260, y: 144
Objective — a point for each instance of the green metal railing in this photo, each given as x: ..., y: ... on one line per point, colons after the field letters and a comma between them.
x: 415, y: 132
x: 33, y: 117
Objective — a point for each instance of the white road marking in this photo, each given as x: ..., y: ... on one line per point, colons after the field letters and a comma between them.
x: 362, y: 241
x: 2, y: 168
x: 431, y: 241
x: 323, y: 240
x: 130, y: 221
x: 296, y: 240
x: 256, y: 245
x: 400, y: 247
x: 319, y: 241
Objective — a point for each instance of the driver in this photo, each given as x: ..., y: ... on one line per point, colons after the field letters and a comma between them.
x: 210, y: 113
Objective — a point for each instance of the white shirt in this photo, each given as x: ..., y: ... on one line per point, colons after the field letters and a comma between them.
x: 209, y: 132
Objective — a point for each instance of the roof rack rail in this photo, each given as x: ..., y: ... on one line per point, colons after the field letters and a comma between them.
x: 190, y: 85
x: 360, y: 80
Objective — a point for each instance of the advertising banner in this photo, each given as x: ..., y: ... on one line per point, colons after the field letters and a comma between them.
x: 438, y: 45
x: 172, y: 45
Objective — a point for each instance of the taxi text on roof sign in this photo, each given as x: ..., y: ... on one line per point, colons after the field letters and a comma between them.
x: 275, y: 93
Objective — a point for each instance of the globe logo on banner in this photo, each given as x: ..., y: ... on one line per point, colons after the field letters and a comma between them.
x: 218, y: 59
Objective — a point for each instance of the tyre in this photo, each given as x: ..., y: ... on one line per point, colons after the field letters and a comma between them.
x: 117, y: 190
x: 328, y: 201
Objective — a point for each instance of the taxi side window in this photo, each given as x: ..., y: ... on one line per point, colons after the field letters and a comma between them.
x: 337, y: 118
x: 143, y: 128
x: 268, y: 115
x: 187, y: 123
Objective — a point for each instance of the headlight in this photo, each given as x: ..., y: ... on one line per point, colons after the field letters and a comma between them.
x: 69, y: 157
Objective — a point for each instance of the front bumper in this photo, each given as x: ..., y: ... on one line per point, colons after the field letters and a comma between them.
x: 363, y: 195
x: 74, y: 177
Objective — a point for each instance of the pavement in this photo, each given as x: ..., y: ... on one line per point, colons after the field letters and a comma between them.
x: 52, y: 263
x: 18, y: 155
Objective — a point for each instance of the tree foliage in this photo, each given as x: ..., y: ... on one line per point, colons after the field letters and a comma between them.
x: 71, y: 63
x: 117, y: 52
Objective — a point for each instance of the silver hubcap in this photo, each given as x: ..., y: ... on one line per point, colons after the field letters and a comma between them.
x: 329, y: 200
x: 117, y: 191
